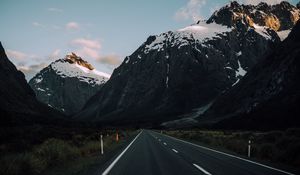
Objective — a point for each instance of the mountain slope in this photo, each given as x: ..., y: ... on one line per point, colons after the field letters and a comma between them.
x: 174, y: 72
x: 268, y: 96
x: 67, y: 83
x: 17, y: 100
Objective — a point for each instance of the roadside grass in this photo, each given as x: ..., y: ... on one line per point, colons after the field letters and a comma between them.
x: 59, y: 153
x: 280, y: 147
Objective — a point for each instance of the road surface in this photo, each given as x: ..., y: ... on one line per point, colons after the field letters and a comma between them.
x: 154, y: 153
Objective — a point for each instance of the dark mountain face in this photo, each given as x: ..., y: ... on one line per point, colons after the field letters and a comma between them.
x: 174, y: 72
x: 17, y: 100
x: 268, y: 96
x: 67, y: 83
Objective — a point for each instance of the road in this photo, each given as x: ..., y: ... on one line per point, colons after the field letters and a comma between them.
x: 154, y: 153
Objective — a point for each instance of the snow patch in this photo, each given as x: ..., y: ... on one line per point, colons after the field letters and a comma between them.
x: 65, y: 69
x: 235, y: 82
x: 240, y: 71
x: 283, y: 34
x: 239, y: 53
x: 40, y: 89
x: 127, y: 59
x: 39, y: 79
x: 262, y: 31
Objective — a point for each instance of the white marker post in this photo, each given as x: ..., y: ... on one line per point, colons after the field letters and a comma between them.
x: 101, y: 142
x: 249, y: 148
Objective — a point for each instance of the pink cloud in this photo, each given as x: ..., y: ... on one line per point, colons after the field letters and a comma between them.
x: 89, y: 52
x: 16, y: 54
x: 72, y: 26
x: 93, y: 44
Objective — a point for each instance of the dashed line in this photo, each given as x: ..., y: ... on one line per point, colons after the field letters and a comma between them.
x: 175, y: 150
x: 229, y: 155
x: 165, y: 143
x: 201, y: 169
x: 159, y: 140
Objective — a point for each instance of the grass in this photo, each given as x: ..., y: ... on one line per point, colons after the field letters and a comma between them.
x: 42, y: 156
x: 280, y: 147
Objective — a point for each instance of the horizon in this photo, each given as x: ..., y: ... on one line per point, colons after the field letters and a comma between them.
x: 102, y: 33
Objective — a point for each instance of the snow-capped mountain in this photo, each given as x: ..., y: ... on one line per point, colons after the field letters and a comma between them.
x: 174, y: 72
x: 66, y: 84
x: 267, y: 97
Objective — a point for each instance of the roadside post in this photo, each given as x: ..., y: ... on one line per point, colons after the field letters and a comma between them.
x: 249, y: 148
x: 117, y: 137
x: 101, y: 142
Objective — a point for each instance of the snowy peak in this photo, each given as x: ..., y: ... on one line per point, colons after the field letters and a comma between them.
x: 72, y: 58
x: 278, y: 17
x: 74, y: 66
x: 199, y: 33
x: 67, y: 83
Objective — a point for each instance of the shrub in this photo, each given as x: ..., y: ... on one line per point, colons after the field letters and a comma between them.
x: 90, y: 147
x: 21, y: 164
x: 54, y: 151
x: 267, y: 151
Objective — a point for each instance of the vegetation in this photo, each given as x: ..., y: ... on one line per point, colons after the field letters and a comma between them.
x: 275, y: 146
x: 37, y: 154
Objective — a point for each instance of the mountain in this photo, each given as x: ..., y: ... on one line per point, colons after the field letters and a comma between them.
x: 268, y: 97
x: 278, y: 17
x: 174, y: 72
x: 18, y: 104
x: 66, y: 84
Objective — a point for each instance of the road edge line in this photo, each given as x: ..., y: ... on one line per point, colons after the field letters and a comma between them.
x: 201, y: 169
x: 107, y: 170
x: 220, y: 152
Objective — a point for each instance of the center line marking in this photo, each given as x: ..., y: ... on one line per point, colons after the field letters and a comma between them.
x: 159, y: 140
x: 175, y: 150
x: 165, y: 143
x: 201, y: 169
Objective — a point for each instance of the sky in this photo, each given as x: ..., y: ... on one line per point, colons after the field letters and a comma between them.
x: 36, y: 32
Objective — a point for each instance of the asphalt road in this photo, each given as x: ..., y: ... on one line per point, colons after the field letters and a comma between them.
x: 155, y: 153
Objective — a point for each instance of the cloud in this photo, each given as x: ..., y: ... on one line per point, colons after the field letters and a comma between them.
x: 190, y: 11
x: 110, y: 60
x: 72, y: 26
x: 16, y: 54
x: 93, y: 44
x: 88, y: 52
x: 86, y: 47
x: 91, y: 49
x: 255, y: 2
x: 55, y: 54
x: 52, y: 9
x: 31, y: 70
x: 37, y: 24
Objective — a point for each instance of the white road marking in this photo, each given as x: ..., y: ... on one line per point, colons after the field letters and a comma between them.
x: 159, y: 140
x: 175, y: 150
x: 256, y: 163
x: 201, y: 169
x: 116, y: 160
x: 165, y: 143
